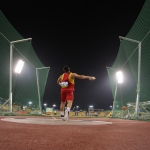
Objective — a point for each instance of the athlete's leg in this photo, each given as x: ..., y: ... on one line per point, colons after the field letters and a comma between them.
x: 70, y: 98
x: 69, y: 104
x: 62, y: 104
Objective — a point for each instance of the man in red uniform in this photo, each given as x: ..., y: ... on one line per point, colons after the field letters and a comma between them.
x: 66, y: 81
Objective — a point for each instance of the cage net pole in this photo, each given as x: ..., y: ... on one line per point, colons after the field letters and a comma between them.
x: 38, y: 87
x: 38, y: 90
x: 10, y: 74
x: 113, y: 107
x: 139, y: 72
x: 10, y: 79
x: 114, y: 100
x: 138, y: 84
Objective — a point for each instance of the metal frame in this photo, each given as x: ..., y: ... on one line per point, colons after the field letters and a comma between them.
x: 139, y: 72
x: 143, y: 110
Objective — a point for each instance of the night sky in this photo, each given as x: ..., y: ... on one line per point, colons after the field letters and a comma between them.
x: 80, y: 34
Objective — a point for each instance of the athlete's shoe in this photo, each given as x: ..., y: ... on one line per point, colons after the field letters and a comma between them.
x: 66, y: 115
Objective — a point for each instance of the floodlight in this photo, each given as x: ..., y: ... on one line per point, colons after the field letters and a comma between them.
x: 19, y: 66
x: 30, y: 103
x: 119, y: 77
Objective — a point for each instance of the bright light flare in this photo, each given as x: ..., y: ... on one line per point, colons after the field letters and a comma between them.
x: 19, y: 66
x: 119, y: 77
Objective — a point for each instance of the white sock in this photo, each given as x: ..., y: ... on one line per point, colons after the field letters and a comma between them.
x: 62, y: 113
x: 68, y: 108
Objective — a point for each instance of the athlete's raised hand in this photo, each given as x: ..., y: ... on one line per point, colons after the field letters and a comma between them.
x: 92, y: 78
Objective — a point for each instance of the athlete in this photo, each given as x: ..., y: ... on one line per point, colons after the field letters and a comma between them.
x: 66, y: 82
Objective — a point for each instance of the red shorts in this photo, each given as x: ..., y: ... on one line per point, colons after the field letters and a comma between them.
x: 67, y: 95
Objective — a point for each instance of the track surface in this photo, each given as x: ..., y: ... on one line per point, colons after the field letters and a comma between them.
x: 87, y: 134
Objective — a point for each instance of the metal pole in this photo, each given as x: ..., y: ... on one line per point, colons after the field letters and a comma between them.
x: 114, y: 100
x: 111, y: 68
x: 39, y: 87
x: 10, y: 79
x: 38, y: 90
x: 124, y: 38
x: 43, y: 68
x: 28, y: 39
x: 139, y: 73
x: 138, y: 83
x: 10, y: 74
x: 115, y: 92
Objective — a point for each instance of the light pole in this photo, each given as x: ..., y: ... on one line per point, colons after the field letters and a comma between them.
x: 45, y: 107
x: 90, y: 109
x: 30, y: 103
x: 119, y: 80
x: 139, y: 72
x: 77, y: 107
x: 10, y: 75
x: 54, y: 106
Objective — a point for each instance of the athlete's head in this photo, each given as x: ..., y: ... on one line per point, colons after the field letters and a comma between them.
x: 66, y: 68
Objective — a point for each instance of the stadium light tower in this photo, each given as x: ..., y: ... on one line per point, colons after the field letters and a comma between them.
x: 30, y: 103
x: 77, y: 107
x: 45, y: 104
x: 119, y: 80
x: 139, y: 72
x: 10, y: 75
x: 54, y: 106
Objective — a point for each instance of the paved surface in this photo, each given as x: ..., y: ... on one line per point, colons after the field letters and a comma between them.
x: 17, y: 133
x: 54, y: 121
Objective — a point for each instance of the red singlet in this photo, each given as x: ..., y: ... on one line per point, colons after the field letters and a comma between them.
x: 67, y: 93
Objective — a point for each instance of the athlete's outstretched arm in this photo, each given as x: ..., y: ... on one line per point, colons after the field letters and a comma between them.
x: 59, y: 80
x: 75, y: 75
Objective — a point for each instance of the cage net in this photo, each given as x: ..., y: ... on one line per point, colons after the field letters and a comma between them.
x: 27, y: 87
x: 127, y: 61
